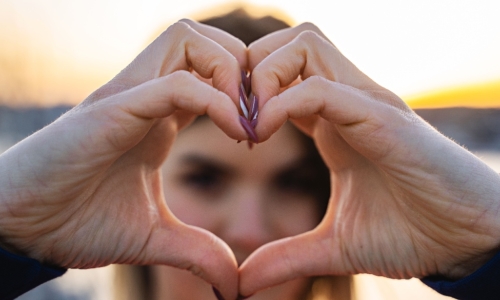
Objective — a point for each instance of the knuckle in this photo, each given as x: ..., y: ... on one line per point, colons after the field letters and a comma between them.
x: 179, y: 77
x: 317, y: 82
x: 309, y: 37
x: 314, y: 43
x: 187, y: 21
x: 267, y: 73
x: 178, y: 28
x: 311, y: 33
x: 308, y: 26
x: 224, y: 59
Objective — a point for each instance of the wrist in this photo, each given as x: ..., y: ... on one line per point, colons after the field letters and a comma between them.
x: 481, y: 284
x: 469, y: 266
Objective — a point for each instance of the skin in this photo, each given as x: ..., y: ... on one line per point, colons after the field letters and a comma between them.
x: 243, y: 196
x: 67, y: 191
x: 400, y: 189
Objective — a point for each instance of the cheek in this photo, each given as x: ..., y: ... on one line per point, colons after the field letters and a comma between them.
x: 295, y: 216
x: 190, y: 210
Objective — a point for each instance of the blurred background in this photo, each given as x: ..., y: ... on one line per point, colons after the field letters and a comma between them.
x: 442, y: 57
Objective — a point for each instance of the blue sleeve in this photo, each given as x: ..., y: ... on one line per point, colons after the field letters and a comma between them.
x: 483, y: 284
x: 20, y: 274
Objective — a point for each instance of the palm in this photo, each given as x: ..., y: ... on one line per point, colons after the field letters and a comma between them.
x: 394, y: 209
x: 405, y: 202
x: 381, y: 196
x: 110, y: 189
x: 127, y: 202
x: 90, y: 183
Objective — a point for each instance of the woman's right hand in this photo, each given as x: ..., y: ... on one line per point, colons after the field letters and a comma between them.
x: 86, y: 190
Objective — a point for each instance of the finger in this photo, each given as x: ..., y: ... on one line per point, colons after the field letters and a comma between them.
x: 315, y: 97
x: 354, y: 128
x: 261, y: 48
x: 214, y: 62
x: 307, y: 55
x: 308, y: 254
x: 182, y: 91
x: 232, y: 44
x: 196, y: 250
x: 181, y: 47
x: 128, y: 116
x: 193, y: 50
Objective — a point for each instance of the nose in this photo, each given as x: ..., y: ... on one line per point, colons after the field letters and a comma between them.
x: 248, y: 226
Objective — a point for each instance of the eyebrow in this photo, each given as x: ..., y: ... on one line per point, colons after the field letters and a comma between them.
x: 204, y: 162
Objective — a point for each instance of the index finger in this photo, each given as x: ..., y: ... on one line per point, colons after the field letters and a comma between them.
x: 185, y: 45
x: 261, y: 48
x: 308, y: 54
x: 232, y: 44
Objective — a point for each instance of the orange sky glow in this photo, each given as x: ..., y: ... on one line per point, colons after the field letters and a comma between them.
x: 483, y: 95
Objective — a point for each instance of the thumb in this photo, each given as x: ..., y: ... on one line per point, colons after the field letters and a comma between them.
x: 196, y: 250
x: 308, y: 254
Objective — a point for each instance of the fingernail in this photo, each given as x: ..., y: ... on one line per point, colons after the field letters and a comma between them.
x: 254, y: 107
x: 217, y: 293
x: 243, y: 102
x: 249, y: 129
x: 253, y: 123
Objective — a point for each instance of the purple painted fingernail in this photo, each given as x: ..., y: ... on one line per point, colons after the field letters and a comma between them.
x: 249, y: 129
x: 253, y: 123
x: 244, y: 108
x: 247, y: 101
x: 250, y: 105
x: 243, y: 94
x: 243, y: 102
x: 254, y: 107
x: 217, y: 293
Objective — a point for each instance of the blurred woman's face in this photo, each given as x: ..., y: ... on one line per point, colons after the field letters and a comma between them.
x: 246, y: 197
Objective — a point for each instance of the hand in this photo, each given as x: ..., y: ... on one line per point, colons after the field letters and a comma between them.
x: 86, y: 191
x: 405, y: 201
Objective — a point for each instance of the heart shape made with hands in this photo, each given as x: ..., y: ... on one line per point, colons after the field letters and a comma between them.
x: 98, y: 168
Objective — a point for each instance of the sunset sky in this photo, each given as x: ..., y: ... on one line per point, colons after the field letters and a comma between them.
x: 58, y: 51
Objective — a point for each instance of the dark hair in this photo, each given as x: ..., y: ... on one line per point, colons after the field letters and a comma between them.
x: 241, y: 25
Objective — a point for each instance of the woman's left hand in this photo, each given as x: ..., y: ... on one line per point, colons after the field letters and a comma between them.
x: 405, y: 200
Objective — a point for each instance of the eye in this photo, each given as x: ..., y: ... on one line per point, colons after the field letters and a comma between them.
x: 295, y: 181
x: 208, y: 183
x: 202, y: 179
